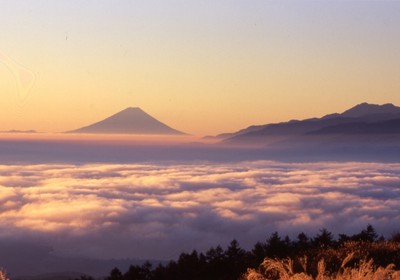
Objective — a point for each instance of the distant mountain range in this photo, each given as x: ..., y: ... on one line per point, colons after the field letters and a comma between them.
x: 363, y: 119
x: 18, y: 131
x: 129, y: 121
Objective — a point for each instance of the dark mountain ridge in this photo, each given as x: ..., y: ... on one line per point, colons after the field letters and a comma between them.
x: 361, y: 118
x: 364, y: 109
x: 379, y: 127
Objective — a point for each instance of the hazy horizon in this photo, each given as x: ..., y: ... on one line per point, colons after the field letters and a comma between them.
x: 124, y: 129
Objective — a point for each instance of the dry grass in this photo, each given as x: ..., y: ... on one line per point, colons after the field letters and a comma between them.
x: 283, y: 270
x: 3, y: 275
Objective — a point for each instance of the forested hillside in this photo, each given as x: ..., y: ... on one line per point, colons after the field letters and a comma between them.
x: 233, y: 262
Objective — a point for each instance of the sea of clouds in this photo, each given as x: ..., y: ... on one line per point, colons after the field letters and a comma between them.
x: 156, y: 211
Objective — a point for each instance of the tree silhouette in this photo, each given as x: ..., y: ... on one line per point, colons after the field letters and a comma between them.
x: 303, y: 242
x: 259, y: 252
x: 324, y: 239
x: 136, y: 272
x: 367, y: 235
x: 115, y: 275
x: 276, y: 247
x: 235, y: 260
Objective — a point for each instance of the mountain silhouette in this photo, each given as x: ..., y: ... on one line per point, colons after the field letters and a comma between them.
x: 380, y: 127
x: 363, y: 118
x: 364, y: 109
x: 129, y: 121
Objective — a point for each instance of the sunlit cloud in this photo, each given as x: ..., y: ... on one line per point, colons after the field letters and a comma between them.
x: 157, y: 211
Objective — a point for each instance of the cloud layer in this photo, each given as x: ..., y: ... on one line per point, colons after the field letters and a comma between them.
x: 157, y: 211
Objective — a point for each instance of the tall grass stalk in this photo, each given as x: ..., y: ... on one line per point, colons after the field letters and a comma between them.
x: 3, y: 274
x: 275, y: 269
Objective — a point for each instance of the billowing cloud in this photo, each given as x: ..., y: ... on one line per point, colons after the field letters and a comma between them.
x: 159, y: 210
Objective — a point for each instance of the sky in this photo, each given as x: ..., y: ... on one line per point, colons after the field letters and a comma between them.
x: 202, y: 67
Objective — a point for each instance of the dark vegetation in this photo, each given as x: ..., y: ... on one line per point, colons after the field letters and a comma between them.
x: 233, y: 262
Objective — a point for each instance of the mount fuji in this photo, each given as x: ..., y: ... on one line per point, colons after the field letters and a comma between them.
x: 129, y: 121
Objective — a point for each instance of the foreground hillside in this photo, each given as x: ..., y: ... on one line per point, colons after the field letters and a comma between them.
x: 319, y: 257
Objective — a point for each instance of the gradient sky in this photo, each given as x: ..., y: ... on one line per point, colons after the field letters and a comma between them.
x: 203, y: 67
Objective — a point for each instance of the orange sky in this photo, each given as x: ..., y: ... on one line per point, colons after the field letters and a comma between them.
x: 202, y: 68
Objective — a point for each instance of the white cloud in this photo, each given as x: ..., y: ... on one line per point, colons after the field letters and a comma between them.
x: 157, y: 211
